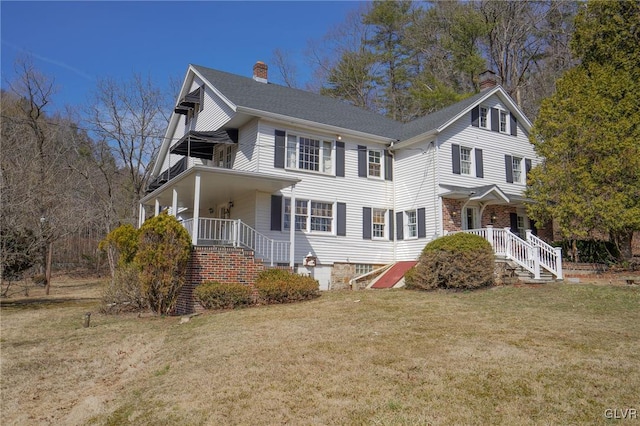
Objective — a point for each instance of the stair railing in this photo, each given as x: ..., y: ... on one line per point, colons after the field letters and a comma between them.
x: 531, y: 254
x: 234, y: 232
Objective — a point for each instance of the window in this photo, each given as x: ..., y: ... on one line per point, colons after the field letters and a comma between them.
x: 310, y: 216
x: 517, y: 169
x: 224, y: 156
x: 465, y: 160
x: 362, y: 268
x: 412, y: 224
x: 521, y: 227
x: 375, y: 163
x: 504, y: 122
x: 307, y: 153
x: 484, y: 117
x: 379, y: 223
x: 321, y: 216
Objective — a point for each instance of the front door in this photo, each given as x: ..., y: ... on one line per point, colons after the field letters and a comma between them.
x: 471, y: 219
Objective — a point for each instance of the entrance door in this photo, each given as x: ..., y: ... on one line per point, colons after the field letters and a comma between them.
x: 471, y: 219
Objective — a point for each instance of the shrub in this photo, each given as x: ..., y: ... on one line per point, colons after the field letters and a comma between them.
x: 460, y: 261
x: 164, y: 246
x: 123, y: 293
x: 121, y: 245
x: 216, y: 295
x: 282, y: 286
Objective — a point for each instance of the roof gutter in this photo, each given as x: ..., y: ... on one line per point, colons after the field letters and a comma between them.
x: 424, y: 137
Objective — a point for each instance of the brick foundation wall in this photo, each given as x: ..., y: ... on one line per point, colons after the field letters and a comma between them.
x: 222, y: 264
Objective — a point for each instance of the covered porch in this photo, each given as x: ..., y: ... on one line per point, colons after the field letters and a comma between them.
x: 218, y: 207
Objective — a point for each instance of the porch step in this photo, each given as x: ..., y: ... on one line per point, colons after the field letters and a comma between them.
x: 394, y: 274
x: 526, y: 277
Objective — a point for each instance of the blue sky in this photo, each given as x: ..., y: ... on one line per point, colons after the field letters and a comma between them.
x: 77, y: 43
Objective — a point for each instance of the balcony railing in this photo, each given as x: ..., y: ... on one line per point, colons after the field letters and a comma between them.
x: 532, y: 254
x: 235, y: 233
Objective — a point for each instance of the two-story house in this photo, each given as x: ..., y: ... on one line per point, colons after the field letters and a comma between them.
x: 330, y: 189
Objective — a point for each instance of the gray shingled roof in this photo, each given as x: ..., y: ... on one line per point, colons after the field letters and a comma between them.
x: 246, y: 92
x: 438, y: 118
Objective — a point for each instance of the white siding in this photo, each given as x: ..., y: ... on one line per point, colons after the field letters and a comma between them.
x: 416, y: 187
x: 246, y: 157
x: 494, y: 147
x: 356, y: 192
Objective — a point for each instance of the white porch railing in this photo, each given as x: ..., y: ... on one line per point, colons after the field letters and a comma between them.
x: 531, y: 254
x: 235, y: 233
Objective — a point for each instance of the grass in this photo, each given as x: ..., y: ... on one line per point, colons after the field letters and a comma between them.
x: 552, y: 354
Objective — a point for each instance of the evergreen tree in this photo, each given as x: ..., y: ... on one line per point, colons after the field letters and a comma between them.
x: 588, y: 131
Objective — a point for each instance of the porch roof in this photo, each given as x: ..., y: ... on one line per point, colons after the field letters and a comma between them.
x: 489, y: 194
x: 217, y: 186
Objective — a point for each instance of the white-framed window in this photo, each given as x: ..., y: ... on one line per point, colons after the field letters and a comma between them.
x: 484, y: 117
x: 310, y: 216
x: 309, y: 153
x: 379, y: 223
x: 363, y: 268
x: 504, y: 122
x: 466, y: 160
x: 374, y: 163
x: 223, y: 156
x: 412, y: 224
x: 521, y: 226
x: 517, y: 169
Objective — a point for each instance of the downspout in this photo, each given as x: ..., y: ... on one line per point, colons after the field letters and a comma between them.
x: 393, y: 194
x: 437, y: 200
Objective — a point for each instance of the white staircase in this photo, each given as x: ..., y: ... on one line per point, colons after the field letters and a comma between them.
x: 533, y: 255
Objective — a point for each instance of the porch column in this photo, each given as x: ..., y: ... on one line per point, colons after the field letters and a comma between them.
x: 292, y: 227
x: 196, y: 210
x: 140, y: 214
x: 156, y: 210
x: 174, y: 203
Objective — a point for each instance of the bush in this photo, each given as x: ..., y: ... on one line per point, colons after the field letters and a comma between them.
x: 589, y: 251
x: 164, y: 246
x: 282, y: 286
x: 459, y: 261
x: 216, y: 295
x: 123, y: 293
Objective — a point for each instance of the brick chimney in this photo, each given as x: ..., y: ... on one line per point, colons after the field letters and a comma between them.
x: 487, y: 80
x: 260, y: 72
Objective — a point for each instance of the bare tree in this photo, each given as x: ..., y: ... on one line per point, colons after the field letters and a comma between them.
x: 130, y: 118
x: 287, y: 68
x: 38, y: 189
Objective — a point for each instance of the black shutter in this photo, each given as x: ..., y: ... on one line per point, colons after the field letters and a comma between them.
x: 495, y: 120
x: 422, y: 223
x: 455, y: 158
x: 479, y: 165
x: 534, y: 228
x: 341, y: 227
x: 388, y: 165
x: 339, y: 159
x: 508, y: 165
x: 513, y: 218
x: 201, y: 98
x: 276, y: 213
x: 527, y: 165
x: 278, y: 157
x: 513, y: 125
x: 400, y: 226
x: 366, y: 223
x: 475, y: 116
x: 362, y: 161
x: 391, y: 227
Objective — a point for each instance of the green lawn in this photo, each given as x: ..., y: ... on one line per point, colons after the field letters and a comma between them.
x: 552, y: 354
